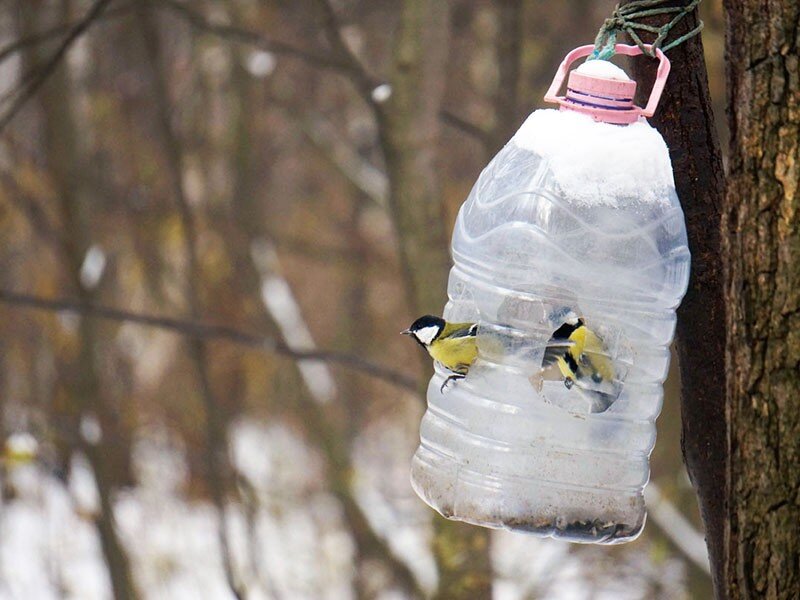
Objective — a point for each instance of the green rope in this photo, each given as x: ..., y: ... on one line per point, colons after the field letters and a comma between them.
x: 625, y: 18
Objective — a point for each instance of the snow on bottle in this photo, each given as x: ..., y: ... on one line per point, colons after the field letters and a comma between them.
x: 576, y: 220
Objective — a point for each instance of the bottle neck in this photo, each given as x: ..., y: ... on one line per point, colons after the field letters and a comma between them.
x: 605, y: 100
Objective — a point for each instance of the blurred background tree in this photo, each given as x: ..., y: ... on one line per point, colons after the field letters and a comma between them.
x: 266, y: 178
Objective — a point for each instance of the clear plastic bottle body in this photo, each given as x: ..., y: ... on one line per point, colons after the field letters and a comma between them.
x: 503, y: 449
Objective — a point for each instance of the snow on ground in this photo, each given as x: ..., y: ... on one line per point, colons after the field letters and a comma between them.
x: 287, y: 537
x: 47, y: 548
x: 292, y: 545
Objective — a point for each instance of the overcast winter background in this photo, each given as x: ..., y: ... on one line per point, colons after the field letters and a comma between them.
x: 224, y: 162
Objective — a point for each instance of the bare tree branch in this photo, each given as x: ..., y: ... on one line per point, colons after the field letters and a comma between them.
x: 240, y: 34
x: 368, y: 179
x: 349, y: 67
x: 54, y: 32
x: 210, y: 332
x: 365, y: 83
x: 354, y: 68
x: 33, y: 212
x: 677, y: 527
x: 462, y: 125
x: 33, y: 81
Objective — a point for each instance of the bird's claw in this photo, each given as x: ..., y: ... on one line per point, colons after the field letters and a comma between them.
x: 448, y: 380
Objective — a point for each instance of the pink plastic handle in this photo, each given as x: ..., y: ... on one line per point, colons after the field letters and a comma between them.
x: 581, y: 51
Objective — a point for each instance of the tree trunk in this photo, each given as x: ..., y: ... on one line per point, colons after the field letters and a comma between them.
x: 409, y: 132
x: 217, y: 462
x: 685, y: 120
x: 508, y: 49
x: 762, y: 547
x: 326, y: 431
x: 108, y: 456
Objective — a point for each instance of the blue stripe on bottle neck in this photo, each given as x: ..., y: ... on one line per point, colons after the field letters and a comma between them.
x: 581, y: 93
x: 595, y: 105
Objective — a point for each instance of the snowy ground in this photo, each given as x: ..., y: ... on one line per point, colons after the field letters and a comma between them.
x: 291, y: 543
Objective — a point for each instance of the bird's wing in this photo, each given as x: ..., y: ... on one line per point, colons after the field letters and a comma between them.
x: 454, y: 330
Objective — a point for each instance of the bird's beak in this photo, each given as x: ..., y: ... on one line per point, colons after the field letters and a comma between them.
x: 405, y: 332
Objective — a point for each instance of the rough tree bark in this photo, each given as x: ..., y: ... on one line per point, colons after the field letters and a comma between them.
x: 685, y: 120
x: 762, y: 546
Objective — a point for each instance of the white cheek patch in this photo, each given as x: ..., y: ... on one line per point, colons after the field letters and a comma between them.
x: 426, y: 334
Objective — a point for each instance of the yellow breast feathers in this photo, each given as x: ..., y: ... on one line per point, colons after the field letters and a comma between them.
x: 456, y: 348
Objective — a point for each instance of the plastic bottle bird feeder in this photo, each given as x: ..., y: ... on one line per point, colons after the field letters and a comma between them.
x: 575, y: 218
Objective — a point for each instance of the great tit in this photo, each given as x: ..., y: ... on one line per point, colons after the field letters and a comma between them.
x: 452, y: 345
x: 582, y: 358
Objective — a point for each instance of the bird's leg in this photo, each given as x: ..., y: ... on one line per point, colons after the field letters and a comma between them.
x: 569, y: 382
x: 453, y: 377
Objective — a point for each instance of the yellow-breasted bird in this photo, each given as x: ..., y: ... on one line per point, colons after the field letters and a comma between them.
x: 582, y: 358
x: 452, y: 345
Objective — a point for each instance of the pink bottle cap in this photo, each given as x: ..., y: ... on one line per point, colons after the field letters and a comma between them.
x: 606, y: 99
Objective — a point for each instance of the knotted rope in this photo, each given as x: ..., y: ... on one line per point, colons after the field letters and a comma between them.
x: 626, y: 19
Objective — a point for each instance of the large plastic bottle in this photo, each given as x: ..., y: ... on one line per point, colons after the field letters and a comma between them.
x: 576, y: 217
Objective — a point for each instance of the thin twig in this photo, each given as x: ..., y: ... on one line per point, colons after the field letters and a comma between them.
x: 365, y: 83
x: 463, y: 125
x: 32, y: 210
x: 32, y: 84
x: 368, y: 179
x: 209, y: 331
x: 47, y: 35
x: 355, y: 69
x: 247, y: 36
x: 344, y: 64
